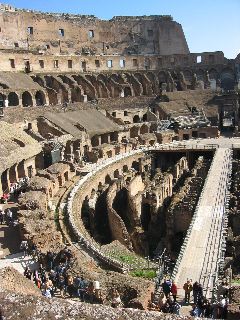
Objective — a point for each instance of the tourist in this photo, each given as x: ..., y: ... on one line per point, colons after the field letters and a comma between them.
x: 175, y: 308
x: 207, y: 309
x: 47, y: 293
x: 116, y: 299
x: 28, y: 273
x: 61, y: 285
x: 222, y: 307
x: 152, y: 306
x: 9, y: 215
x: 24, y: 247
x: 90, y: 292
x: 174, y: 291
x: 48, y: 285
x: 70, y: 286
x: 81, y: 286
x: 195, y: 311
x: 187, y: 288
x: 195, y: 292
x: 166, y: 286
x: 2, y: 216
x: 50, y: 260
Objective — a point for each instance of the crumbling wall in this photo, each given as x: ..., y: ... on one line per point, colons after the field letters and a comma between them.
x: 117, y: 226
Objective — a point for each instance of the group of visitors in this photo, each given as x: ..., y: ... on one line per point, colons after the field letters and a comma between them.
x: 6, y: 217
x: 55, y: 279
x: 201, y: 307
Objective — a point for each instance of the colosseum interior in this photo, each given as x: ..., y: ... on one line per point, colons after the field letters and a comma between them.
x: 120, y: 144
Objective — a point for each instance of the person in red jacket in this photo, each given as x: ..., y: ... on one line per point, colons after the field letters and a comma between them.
x: 174, y: 291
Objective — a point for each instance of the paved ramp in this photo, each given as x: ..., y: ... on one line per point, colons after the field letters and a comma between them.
x: 204, y: 244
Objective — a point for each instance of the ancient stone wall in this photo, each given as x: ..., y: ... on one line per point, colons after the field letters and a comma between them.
x: 89, y: 35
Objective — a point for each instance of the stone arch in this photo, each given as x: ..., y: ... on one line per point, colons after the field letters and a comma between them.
x: 144, y: 129
x: 127, y: 92
x: 227, y: 78
x: 200, y: 75
x: 27, y: 100
x: 162, y: 77
x: 134, y: 131
x: 40, y: 98
x: 76, y: 94
x: 102, y: 77
x: 187, y: 75
x: 39, y: 80
x: 144, y: 81
x: 13, y: 99
x: 136, y: 119
x: 154, y: 82
x: 87, y: 86
x: 213, y: 74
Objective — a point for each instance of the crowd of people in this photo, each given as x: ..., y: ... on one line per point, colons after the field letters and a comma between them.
x: 6, y: 217
x: 201, y: 307
x: 56, y: 280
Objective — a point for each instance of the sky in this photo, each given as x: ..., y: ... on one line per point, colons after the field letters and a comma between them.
x: 209, y: 25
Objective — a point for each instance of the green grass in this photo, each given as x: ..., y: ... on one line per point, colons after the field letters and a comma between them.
x: 236, y: 281
x: 147, y: 274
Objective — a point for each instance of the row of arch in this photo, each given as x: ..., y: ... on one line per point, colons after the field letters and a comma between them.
x: 79, y: 87
x: 26, y: 99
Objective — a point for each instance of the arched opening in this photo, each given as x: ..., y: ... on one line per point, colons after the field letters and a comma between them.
x: 162, y: 78
x: 27, y: 99
x: 136, y: 119
x: 227, y: 79
x: 76, y: 95
x: 201, y: 75
x: 144, y: 129
x: 127, y: 92
x: 120, y: 204
x: 145, y: 216
x: 134, y: 131
x: 2, y: 100
x: 187, y: 75
x: 102, y: 230
x: 4, y: 181
x: 213, y: 74
x: 13, y: 99
x: 40, y: 98
x: 144, y: 118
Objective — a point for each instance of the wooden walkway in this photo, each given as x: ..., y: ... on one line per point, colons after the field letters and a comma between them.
x: 204, y: 244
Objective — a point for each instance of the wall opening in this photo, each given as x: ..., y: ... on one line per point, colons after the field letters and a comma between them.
x: 97, y: 63
x: 136, y: 119
x: 91, y: 34
x: 40, y: 98
x: 61, y: 32
x: 122, y: 63
x: 12, y: 63
x: 13, y: 99
x: 30, y: 30
x: 41, y: 64
x: 55, y: 64
x: 199, y: 59
x: 109, y: 63
x: 27, y: 99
